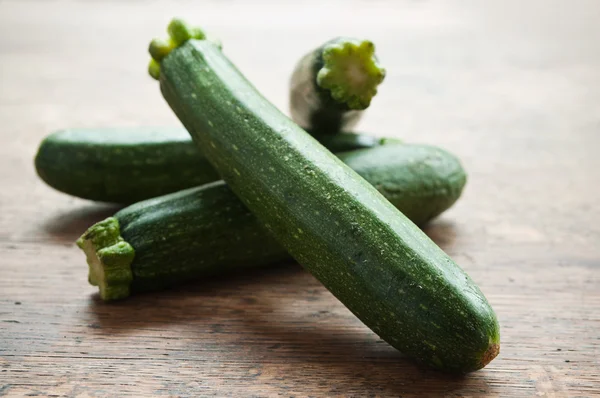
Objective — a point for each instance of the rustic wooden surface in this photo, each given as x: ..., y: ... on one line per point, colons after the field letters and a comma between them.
x: 512, y: 87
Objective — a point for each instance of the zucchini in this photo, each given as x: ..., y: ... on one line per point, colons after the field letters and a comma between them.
x: 333, y: 222
x: 126, y: 165
x: 206, y: 230
x: 332, y: 85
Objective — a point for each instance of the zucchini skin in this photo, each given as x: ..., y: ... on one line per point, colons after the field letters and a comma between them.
x: 327, y: 108
x: 421, y: 181
x: 128, y: 164
x: 197, y: 232
x: 190, y: 234
x: 339, y: 227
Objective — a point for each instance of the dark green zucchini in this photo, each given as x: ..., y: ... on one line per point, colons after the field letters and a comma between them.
x: 332, y: 85
x: 126, y: 165
x: 333, y: 222
x: 206, y: 230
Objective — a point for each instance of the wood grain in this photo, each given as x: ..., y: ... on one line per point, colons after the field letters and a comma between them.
x: 511, y: 87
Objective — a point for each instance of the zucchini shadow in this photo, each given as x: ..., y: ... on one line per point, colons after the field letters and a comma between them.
x: 279, y: 322
x: 70, y: 224
x: 443, y: 232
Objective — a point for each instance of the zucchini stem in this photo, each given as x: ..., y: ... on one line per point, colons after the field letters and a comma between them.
x: 351, y: 72
x: 160, y: 48
x: 154, y: 69
x: 332, y: 85
x: 179, y: 33
x: 109, y: 259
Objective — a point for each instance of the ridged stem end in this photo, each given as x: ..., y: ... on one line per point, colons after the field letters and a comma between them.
x: 109, y: 259
x: 350, y: 72
x: 179, y: 33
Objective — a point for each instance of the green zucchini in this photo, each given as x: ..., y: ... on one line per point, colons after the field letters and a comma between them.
x: 126, y: 165
x: 333, y: 222
x: 206, y: 230
x: 332, y: 85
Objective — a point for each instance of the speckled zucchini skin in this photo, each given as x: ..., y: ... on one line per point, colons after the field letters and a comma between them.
x: 206, y: 230
x: 333, y: 222
x: 193, y: 233
x: 421, y: 181
x: 129, y: 164
x: 121, y: 165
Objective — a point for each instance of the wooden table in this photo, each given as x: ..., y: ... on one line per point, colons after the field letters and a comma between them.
x: 512, y: 87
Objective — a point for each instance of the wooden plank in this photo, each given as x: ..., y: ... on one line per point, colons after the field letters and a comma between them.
x: 511, y: 87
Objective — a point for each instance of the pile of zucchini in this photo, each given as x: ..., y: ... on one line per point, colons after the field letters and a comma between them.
x: 242, y: 186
